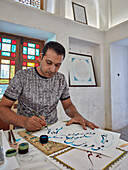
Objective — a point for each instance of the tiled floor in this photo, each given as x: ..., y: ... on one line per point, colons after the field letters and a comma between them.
x: 124, y: 133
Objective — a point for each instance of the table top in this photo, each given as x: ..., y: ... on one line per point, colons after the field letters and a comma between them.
x: 35, y: 159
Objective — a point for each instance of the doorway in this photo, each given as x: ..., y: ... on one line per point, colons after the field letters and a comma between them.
x: 119, y: 83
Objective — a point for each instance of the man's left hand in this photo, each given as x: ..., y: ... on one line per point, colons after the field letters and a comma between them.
x: 82, y: 121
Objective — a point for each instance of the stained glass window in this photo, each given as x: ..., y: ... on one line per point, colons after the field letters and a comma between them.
x: 13, y: 57
x: 33, y: 3
x: 7, y: 61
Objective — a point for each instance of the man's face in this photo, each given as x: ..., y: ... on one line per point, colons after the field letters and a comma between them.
x: 50, y: 63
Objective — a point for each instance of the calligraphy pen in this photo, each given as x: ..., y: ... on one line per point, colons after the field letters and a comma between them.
x: 38, y: 117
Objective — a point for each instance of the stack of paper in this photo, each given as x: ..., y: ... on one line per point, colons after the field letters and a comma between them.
x: 96, y: 149
x: 97, y: 140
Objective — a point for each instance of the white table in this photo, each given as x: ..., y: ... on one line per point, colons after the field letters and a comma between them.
x: 34, y: 159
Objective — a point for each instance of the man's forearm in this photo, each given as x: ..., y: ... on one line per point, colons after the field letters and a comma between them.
x: 71, y: 111
x: 10, y: 117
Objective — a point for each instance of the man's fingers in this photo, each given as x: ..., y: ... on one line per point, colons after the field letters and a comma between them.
x: 91, y: 125
x: 43, y: 117
x: 83, y: 124
x: 69, y: 122
x: 44, y: 120
x: 72, y: 121
x: 37, y: 123
x: 76, y: 121
x: 95, y: 126
x: 40, y: 121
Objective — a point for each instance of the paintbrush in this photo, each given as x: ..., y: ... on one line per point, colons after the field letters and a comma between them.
x: 13, y: 137
x: 39, y: 117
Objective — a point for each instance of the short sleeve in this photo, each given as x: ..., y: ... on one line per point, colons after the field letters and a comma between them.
x: 15, y: 87
x: 65, y: 95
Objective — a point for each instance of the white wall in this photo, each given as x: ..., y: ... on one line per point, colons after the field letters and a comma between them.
x: 91, y: 11
x: 50, y: 6
x: 119, y: 11
x: 102, y: 14
x: 114, y: 34
x: 86, y: 98
x: 119, y: 85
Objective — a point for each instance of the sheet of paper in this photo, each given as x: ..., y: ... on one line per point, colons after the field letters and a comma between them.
x: 121, y: 165
x: 10, y: 163
x: 97, y: 140
x: 79, y: 159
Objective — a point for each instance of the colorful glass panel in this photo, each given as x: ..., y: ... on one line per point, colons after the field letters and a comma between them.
x: 25, y: 50
x: 37, y: 52
x: 6, y: 47
x: 4, y: 71
x: 0, y: 39
x: 31, y: 57
x: 31, y: 45
x: 13, y: 41
x: 31, y: 51
x: 25, y: 56
x: 5, y: 61
x: 3, y: 81
x: 25, y: 44
x: 37, y: 46
x: 5, y: 40
x: 12, y: 62
x: 7, y: 54
x: 3, y: 87
x: 13, y: 54
x: 36, y: 64
x: 31, y: 64
x: 13, y: 48
x: 0, y: 46
x: 24, y: 68
x: 24, y: 64
x: 12, y: 72
x: 37, y: 58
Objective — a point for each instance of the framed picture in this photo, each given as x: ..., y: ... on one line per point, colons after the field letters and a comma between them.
x: 81, y: 71
x: 79, y: 13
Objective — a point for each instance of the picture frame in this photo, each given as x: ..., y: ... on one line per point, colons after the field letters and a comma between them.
x: 81, y: 71
x: 79, y: 13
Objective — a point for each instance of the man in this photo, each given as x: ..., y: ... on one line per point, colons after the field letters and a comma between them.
x: 39, y: 90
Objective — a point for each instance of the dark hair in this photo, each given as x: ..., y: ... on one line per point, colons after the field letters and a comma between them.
x: 57, y: 47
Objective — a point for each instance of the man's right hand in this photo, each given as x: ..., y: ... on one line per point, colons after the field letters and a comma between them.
x: 34, y: 123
